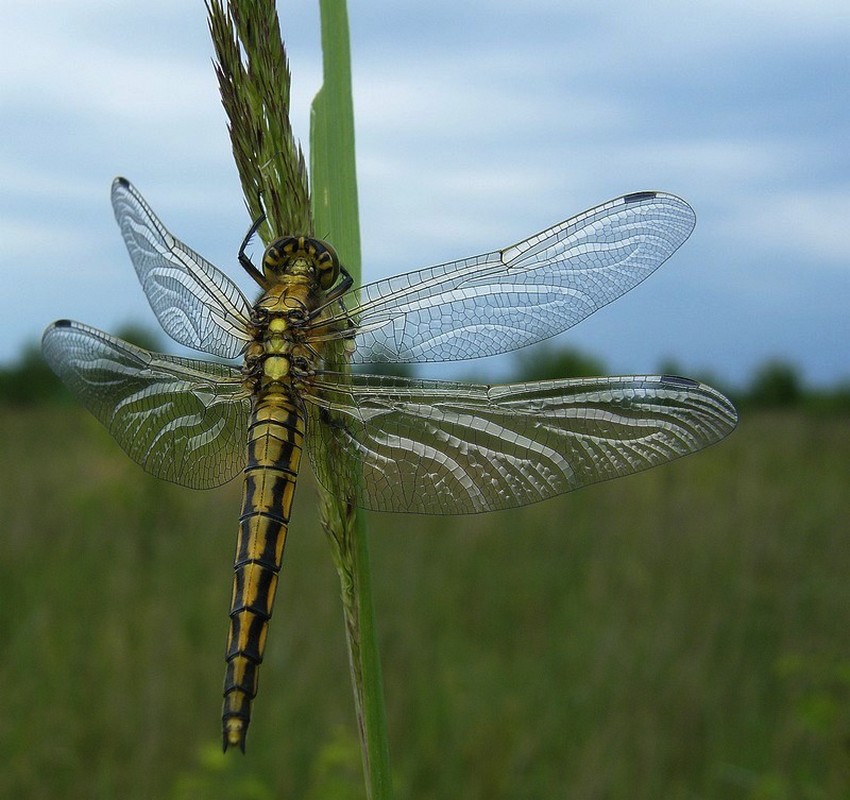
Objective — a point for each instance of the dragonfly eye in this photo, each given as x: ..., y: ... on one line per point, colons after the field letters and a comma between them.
x: 327, y: 262
x: 298, y: 255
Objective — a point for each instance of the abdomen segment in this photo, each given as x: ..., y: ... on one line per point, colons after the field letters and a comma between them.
x: 275, y: 440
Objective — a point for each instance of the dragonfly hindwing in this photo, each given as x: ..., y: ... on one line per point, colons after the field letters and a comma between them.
x: 182, y: 419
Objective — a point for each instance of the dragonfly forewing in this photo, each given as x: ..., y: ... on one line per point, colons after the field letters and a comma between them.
x: 434, y: 447
x: 510, y: 298
x: 196, y: 304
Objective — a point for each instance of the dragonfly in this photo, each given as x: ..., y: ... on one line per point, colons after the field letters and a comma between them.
x: 391, y: 443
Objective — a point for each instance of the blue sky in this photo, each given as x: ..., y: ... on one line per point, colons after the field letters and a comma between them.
x: 477, y: 124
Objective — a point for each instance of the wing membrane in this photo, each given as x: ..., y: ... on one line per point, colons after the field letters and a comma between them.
x: 183, y: 420
x: 511, y: 298
x: 452, y: 448
x: 196, y: 304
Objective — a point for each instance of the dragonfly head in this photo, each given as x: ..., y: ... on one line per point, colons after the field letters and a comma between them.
x: 298, y: 255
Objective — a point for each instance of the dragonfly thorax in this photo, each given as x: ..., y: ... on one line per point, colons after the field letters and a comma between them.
x: 299, y: 255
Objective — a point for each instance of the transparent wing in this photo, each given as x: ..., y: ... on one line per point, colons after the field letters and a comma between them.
x: 196, y: 304
x: 510, y: 298
x: 183, y: 420
x: 452, y: 448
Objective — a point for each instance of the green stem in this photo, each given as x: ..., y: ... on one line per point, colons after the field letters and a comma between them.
x: 374, y: 741
x: 335, y: 213
x: 350, y: 549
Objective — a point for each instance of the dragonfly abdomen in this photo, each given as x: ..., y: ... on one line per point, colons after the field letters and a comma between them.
x: 275, y: 441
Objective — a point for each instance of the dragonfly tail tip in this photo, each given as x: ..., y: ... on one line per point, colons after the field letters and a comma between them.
x: 233, y: 736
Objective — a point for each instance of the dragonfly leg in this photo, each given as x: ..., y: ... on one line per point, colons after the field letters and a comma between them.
x: 244, y: 258
x: 342, y: 287
x: 336, y: 294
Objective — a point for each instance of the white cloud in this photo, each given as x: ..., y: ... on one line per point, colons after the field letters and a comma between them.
x: 52, y: 246
x: 476, y: 124
x: 809, y: 224
x: 88, y: 79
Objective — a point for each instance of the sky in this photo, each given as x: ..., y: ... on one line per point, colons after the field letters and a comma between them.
x: 477, y: 124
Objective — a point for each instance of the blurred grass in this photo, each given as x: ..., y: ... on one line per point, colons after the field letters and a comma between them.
x: 680, y: 634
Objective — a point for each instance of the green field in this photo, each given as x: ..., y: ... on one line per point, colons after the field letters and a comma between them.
x: 684, y: 633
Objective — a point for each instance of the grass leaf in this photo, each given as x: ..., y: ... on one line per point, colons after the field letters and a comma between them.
x: 332, y: 162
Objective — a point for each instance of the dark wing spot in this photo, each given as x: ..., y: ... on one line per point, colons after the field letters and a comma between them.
x: 637, y: 197
x: 679, y: 381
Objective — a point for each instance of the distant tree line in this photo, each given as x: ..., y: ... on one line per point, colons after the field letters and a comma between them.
x: 776, y: 384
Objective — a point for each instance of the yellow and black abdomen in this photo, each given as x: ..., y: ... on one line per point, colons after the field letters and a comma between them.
x: 275, y: 441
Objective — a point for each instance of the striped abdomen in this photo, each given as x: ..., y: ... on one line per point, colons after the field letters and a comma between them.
x: 275, y: 440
